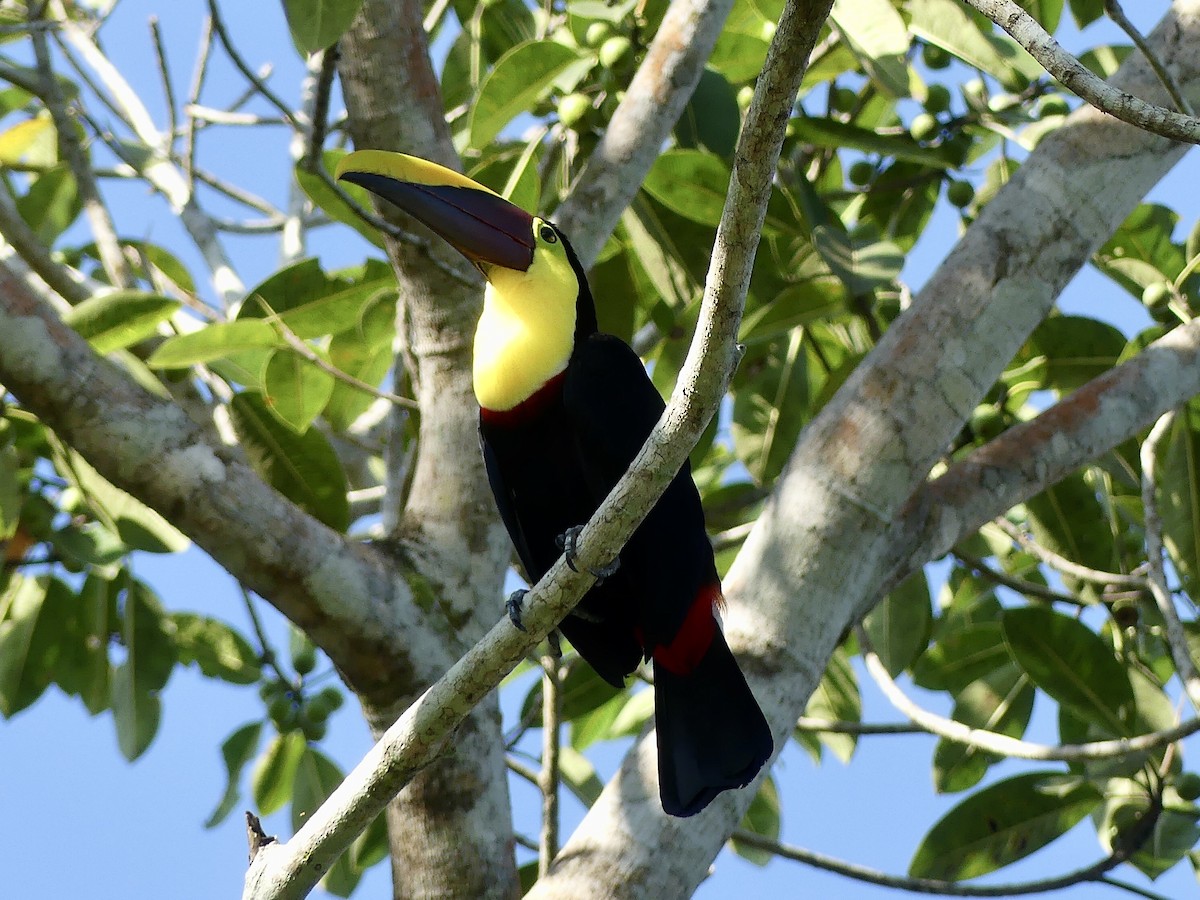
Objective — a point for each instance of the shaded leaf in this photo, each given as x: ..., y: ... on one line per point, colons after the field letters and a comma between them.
x: 274, y: 773
x: 121, y: 318
x: 236, y: 750
x: 302, y: 467
x: 1072, y: 664
x: 218, y: 650
x: 899, y: 627
x: 221, y: 339
x: 1000, y: 702
x: 764, y: 817
x: 33, y: 613
x: 836, y: 699
x: 946, y: 24
x: 316, y: 24
x: 520, y: 77
x: 294, y: 389
x: 579, y: 775
x: 1179, y: 496
x: 961, y: 656
x: 149, y: 658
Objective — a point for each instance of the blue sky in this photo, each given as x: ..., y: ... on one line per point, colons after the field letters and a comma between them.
x: 78, y: 821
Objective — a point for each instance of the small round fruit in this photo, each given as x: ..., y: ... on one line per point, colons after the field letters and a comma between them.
x: 861, y: 172
x: 960, y: 193
x: 924, y: 127
x: 614, y: 50
x: 597, y: 33
x: 744, y: 95
x: 304, y: 660
x: 331, y: 698
x: 1156, y: 294
x: 314, y: 731
x: 573, y: 108
x: 999, y: 103
x: 1187, y: 786
x: 987, y: 422
x: 975, y: 92
x: 282, y: 712
x: 937, y: 99
x: 934, y: 57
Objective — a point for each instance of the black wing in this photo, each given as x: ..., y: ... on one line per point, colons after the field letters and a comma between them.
x: 505, y: 505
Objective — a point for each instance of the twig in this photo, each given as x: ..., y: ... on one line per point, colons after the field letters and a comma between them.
x: 319, y: 114
x: 1029, y: 588
x: 249, y: 74
x: 1076, y: 77
x: 164, y: 72
x: 292, y: 240
x: 1185, y: 667
x: 1067, y: 566
x: 266, y: 654
x: 198, y: 76
x: 72, y: 286
x: 111, y: 256
x: 1002, y: 744
x: 301, y: 347
x: 1094, y: 872
x: 834, y: 726
x: 1117, y: 14
x: 548, y: 777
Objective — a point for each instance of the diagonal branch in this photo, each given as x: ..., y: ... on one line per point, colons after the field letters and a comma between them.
x: 1075, y: 76
x: 289, y: 870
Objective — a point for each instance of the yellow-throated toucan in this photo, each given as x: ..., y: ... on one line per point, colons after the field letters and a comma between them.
x: 563, y: 411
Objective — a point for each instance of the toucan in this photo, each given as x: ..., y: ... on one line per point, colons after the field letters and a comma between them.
x: 563, y: 410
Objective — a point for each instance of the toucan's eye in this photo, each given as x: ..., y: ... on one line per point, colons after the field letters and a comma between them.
x: 546, y: 233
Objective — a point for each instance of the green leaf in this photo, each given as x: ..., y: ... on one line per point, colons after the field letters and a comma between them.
x: 961, y: 656
x: 579, y: 775
x: 877, y: 35
x: 1085, y: 12
x: 274, y: 775
x: 710, y: 119
x: 316, y: 778
x: 317, y: 24
x: 149, y: 658
x: 691, y: 183
x: 218, y: 650
x: 836, y: 135
x: 742, y: 44
x: 1068, y: 519
x: 861, y: 264
x: 237, y: 750
x: 294, y: 389
x: 365, y: 352
x: 116, y: 320
x: 313, y: 303
x: 763, y: 818
x: 329, y: 202
x: 302, y: 467
x: 1000, y: 825
x: 371, y: 846
x: 580, y: 692
x: 899, y: 626
x: 216, y: 341
x: 946, y: 24
x: 1072, y: 664
x: 33, y: 615
x: 1000, y: 702
x: 139, y: 526
x: 519, y: 79
x: 1179, y: 496
x: 10, y: 492
x: 836, y: 699
x: 1069, y: 351
x: 52, y: 203
x: 98, y: 619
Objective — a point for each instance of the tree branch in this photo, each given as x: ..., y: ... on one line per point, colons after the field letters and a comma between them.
x: 1076, y: 77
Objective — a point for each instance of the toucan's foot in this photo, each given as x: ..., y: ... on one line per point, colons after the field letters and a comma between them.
x: 568, y: 542
x: 513, y: 606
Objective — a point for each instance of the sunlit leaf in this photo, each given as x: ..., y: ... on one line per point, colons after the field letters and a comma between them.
x: 316, y: 24
x: 520, y: 77
x: 218, y: 650
x: 274, y: 776
x: 899, y: 626
x: 237, y: 750
x: 121, y: 318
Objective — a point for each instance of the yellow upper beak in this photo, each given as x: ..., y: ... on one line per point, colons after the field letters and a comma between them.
x: 475, y: 220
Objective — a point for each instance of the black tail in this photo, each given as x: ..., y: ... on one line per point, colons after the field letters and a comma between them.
x: 711, y: 734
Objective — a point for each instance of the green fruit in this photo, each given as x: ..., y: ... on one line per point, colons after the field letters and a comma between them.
x: 1187, y: 786
x: 331, y: 698
x: 924, y: 127
x: 304, y: 659
x: 282, y: 712
x: 614, y: 50
x: 987, y: 422
x: 934, y: 57
x: 573, y: 108
x: 1053, y: 105
x: 975, y: 92
x: 597, y: 33
x: 960, y: 193
x: 269, y: 690
x: 1156, y: 294
x: 999, y: 103
x: 937, y: 99
x: 744, y: 96
x: 861, y: 172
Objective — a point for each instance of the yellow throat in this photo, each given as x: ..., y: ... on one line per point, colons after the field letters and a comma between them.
x: 527, y: 329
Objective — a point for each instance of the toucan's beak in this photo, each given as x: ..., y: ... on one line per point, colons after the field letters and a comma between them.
x: 475, y: 220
